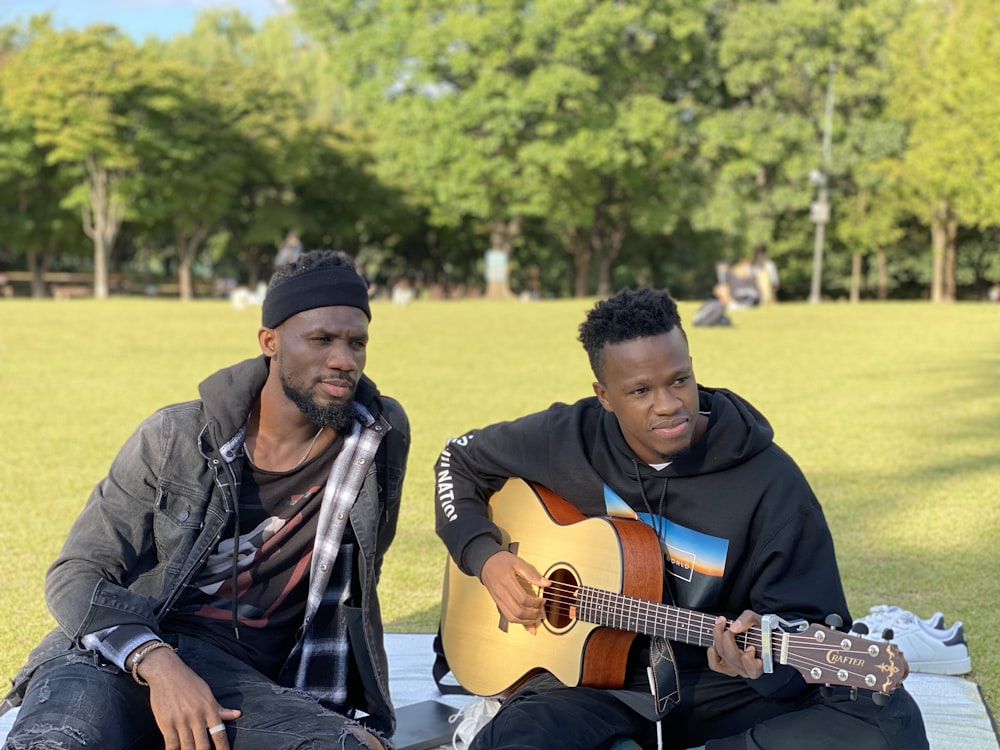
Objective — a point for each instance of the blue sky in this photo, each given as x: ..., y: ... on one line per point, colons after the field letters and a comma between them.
x: 138, y: 18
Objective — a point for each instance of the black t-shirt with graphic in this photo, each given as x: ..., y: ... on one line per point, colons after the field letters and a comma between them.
x: 278, y: 516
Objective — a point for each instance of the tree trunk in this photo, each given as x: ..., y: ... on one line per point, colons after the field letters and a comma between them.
x: 950, y: 259
x: 185, y: 288
x: 938, y: 244
x: 883, y: 274
x: 102, y: 219
x: 503, y: 232
x: 607, y: 247
x: 257, y: 267
x: 37, y: 265
x: 581, y: 252
x: 187, y: 251
x: 855, y: 277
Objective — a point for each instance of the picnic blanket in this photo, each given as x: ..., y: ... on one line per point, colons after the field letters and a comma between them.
x: 954, y: 711
x: 953, y: 708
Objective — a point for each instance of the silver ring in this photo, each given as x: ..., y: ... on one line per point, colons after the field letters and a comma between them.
x: 217, y: 728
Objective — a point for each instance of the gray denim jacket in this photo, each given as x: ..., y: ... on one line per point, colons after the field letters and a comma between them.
x: 167, y: 499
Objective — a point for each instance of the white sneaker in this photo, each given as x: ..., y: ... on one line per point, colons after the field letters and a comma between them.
x: 928, y: 649
x: 882, y: 616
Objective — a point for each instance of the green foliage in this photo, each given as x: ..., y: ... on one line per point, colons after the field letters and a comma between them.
x: 765, y: 139
x: 890, y: 409
x: 31, y: 189
x: 949, y: 52
x: 91, y: 103
x: 596, y: 142
x: 564, y: 109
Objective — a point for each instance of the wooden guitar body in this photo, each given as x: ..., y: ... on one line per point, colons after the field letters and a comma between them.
x: 489, y: 658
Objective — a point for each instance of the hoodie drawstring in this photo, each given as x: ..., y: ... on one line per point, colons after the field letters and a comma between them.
x: 660, y: 508
x: 661, y: 505
x: 236, y: 571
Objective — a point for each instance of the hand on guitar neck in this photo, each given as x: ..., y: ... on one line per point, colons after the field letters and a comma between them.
x: 510, y: 581
x: 725, y: 655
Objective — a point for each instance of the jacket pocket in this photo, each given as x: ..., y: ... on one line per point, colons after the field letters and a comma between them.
x: 177, y: 510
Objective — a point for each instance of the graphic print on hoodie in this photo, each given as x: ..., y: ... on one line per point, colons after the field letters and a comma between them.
x: 696, y: 560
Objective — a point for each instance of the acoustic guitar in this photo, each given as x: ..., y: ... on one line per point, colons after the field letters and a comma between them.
x: 607, y: 582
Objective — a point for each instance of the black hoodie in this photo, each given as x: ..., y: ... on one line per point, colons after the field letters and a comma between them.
x: 741, y: 525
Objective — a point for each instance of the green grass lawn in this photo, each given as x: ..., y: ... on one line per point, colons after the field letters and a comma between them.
x: 891, y: 409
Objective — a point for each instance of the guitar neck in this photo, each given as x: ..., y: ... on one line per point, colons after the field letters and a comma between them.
x: 622, y: 595
x: 620, y: 612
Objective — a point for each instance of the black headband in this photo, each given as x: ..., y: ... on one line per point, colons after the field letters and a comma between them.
x: 328, y: 286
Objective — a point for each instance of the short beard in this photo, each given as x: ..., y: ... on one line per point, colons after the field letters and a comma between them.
x: 340, y: 417
x: 675, y: 455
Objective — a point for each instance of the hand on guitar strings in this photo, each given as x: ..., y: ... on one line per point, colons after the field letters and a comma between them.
x: 511, y: 582
x: 726, y: 656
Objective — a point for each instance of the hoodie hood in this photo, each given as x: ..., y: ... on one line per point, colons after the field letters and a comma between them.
x: 229, y: 394
x: 736, y: 433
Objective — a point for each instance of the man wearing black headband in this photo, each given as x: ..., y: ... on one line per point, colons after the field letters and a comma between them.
x: 219, y: 588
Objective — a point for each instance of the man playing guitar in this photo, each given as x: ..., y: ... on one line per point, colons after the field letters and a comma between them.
x: 740, y: 535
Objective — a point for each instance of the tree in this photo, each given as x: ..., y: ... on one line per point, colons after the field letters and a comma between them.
x: 232, y: 122
x: 196, y: 157
x: 870, y: 204
x: 503, y: 110
x: 945, y: 64
x: 84, y: 94
x: 32, y: 223
x: 272, y: 150
x: 763, y: 139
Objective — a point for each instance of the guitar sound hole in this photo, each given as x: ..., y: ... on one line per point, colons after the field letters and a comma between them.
x: 560, y: 599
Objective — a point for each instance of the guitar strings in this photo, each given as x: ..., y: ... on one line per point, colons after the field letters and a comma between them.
x: 653, y: 618
x: 660, y: 617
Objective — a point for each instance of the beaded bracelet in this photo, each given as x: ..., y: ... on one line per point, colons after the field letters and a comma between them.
x: 142, y: 654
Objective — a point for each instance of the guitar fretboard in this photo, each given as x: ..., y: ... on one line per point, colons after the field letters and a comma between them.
x: 613, y: 610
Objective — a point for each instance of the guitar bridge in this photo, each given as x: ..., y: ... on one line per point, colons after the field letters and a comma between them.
x: 774, y: 624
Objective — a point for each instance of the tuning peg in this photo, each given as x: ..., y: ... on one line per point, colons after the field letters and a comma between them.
x: 834, y: 621
x: 826, y: 691
x: 880, y: 699
x: 860, y: 628
x: 888, y: 634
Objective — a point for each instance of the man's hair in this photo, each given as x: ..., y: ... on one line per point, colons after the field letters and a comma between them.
x: 626, y: 316
x: 308, y: 262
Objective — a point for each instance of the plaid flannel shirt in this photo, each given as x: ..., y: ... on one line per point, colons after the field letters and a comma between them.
x: 322, y: 650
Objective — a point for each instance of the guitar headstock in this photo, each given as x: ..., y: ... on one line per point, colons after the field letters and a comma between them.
x: 830, y: 657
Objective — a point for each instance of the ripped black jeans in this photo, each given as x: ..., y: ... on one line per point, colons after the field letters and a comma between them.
x: 80, y: 703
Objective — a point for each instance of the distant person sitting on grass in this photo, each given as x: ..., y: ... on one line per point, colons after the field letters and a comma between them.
x: 713, y: 311
x: 218, y: 589
x: 742, y: 285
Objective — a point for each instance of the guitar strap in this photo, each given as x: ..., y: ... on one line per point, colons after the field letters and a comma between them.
x: 664, y: 683
x: 441, y: 669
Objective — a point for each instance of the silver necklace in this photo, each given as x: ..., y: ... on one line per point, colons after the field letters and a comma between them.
x: 302, y: 460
